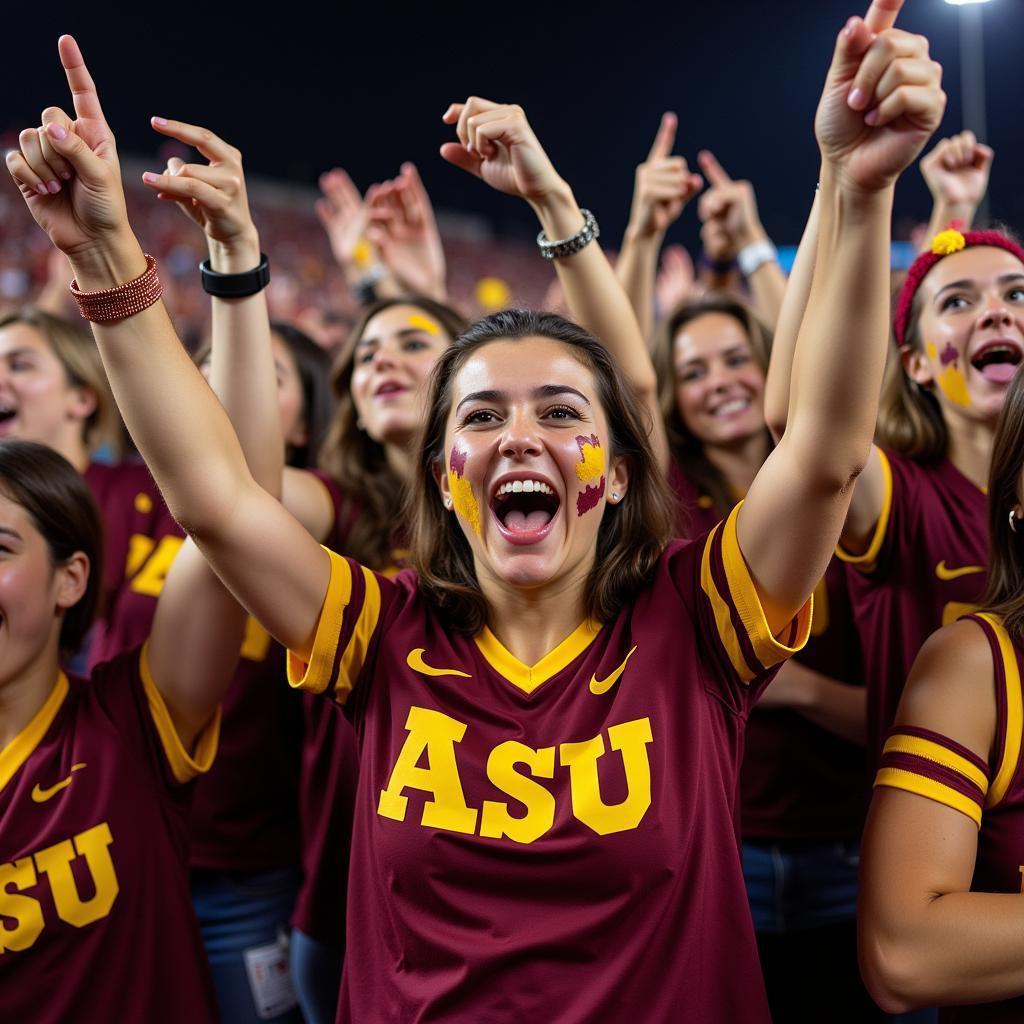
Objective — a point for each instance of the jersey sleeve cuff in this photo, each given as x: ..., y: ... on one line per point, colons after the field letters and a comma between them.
x: 184, y: 766
x: 867, y: 561
x: 316, y: 674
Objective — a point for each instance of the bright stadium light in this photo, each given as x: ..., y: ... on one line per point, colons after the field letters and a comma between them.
x: 964, y: 3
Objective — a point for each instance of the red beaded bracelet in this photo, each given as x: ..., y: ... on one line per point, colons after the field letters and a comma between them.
x: 123, y: 301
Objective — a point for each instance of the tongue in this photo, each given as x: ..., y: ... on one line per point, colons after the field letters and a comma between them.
x: 521, y: 522
x: 998, y: 373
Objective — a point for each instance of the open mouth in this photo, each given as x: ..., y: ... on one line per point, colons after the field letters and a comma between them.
x: 997, y: 361
x: 525, y: 509
x: 389, y: 389
x: 733, y: 407
x: 7, y: 413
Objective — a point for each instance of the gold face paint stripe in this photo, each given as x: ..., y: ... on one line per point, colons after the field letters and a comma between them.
x: 424, y: 324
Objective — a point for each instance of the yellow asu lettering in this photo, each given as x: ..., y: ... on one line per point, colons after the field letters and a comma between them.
x: 435, y: 735
x: 55, y: 863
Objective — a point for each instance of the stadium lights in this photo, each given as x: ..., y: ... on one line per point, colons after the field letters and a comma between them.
x: 964, y: 3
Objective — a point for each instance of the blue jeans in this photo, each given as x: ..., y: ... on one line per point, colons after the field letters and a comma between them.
x: 316, y: 975
x: 803, y: 898
x: 242, y: 915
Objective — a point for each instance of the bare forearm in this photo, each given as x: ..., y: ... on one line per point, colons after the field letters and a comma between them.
x: 768, y: 287
x: 943, y: 213
x: 180, y: 428
x: 835, y: 706
x: 242, y: 366
x: 787, y: 326
x: 840, y: 354
x: 637, y: 269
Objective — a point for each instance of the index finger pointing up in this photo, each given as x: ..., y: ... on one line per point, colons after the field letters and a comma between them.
x: 882, y: 14
x: 83, y: 89
x: 716, y: 173
x: 666, y: 137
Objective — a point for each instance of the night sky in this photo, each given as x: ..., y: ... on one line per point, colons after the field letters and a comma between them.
x: 317, y: 86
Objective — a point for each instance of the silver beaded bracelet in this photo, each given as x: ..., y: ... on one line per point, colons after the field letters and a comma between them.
x: 568, y: 246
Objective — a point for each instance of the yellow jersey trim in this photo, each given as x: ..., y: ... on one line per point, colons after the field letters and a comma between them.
x: 1010, y: 754
x: 18, y: 751
x: 355, y: 653
x: 866, y: 561
x: 768, y: 649
x: 900, y: 778
x: 932, y: 751
x: 184, y: 766
x: 528, y: 677
x: 316, y: 675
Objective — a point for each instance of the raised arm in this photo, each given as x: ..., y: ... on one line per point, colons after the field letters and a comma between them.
x: 956, y: 172
x: 732, y: 230
x: 925, y: 938
x: 272, y: 565
x: 497, y: 144
x: 881, y: 102
x: 663, y: 187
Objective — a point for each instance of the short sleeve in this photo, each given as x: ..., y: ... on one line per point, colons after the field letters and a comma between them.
x: 731, y: 603
x: 347, y: 631
x: 933, y: 766
x: 868, y: 562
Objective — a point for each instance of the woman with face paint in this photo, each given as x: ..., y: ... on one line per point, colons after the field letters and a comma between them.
x: 916, y: 540
x: 941, y: 898
x: 551, y: 708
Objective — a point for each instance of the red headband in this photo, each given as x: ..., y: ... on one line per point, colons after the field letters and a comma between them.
x: 943, y: 244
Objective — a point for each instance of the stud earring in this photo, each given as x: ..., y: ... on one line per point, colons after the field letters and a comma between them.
x: 616, y: 496
x: 448, y: 503
x: 1013, y: 520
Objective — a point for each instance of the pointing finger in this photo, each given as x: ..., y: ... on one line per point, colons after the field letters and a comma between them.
x: 83, y: 89
x: 713, y: 170
x: 882, y: 14
x: 666, y: 137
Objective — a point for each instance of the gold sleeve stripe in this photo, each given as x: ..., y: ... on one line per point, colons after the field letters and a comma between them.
x: 722, y: 613
x: 1010, y: 754
x: 899, y: 778
x: 866, y: 561
x: 932, y: 751
x: 184, y: 766
x: 355, y: 653
x: 316, y: 675
x: 767, y: 648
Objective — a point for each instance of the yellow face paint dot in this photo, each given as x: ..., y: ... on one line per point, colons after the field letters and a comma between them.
x: 591, y: 459
x: 492, y: 293
x: 362, y: 254
x: 953, y: 385
x: 464, y: 500
x: 424, y: 324
x: 933, y: 352
x: 143, y: 503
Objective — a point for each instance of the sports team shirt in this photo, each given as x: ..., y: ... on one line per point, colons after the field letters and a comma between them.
x: 551, y: 842
x: 924, y: 567
x: 244, y: 815
x: 992, y: 795
x: 799, y: 782
x: 96, y: 922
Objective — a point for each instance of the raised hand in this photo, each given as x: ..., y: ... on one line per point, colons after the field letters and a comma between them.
x: 497, y: 144
x: 213, y: 195
x: 676, y: 281
x: 728, y: 212
x: 67, y: 169
x: 664, y: 185
x: 345, y: 217
x: 882, y: 100
x: 403, y: 230
x: 957, y: 171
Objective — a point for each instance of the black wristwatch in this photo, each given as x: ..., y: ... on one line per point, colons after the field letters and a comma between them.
x: 235, y: 286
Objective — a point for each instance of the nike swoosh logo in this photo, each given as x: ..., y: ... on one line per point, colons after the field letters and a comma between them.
x: 944, y: 573
x: 41, y: 795
x: 600, y: 686
x: 417, y: 664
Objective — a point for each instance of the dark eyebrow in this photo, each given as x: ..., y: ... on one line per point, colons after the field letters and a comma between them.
x: 405, y: 332
x: 544, y: 391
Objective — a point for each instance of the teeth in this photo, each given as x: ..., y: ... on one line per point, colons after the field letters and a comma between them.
x: 525, y: 486
x: 736, y: 405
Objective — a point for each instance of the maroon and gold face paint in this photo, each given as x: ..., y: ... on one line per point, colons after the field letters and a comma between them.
x: 463, y: 499
x: 591, y: 467
x: 952, y: 382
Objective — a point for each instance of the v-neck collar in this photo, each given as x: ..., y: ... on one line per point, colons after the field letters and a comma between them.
x: 18, y: 751
x: 528, y: 677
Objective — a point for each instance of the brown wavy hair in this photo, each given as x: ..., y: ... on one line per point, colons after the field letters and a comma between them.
x: 686, y: 449
x: 358, y: 463
x: 75, y: 349
x: 633, y: 533
x: 1004, y: 594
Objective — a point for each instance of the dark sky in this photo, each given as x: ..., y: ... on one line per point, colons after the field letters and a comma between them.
x: 315, y: 86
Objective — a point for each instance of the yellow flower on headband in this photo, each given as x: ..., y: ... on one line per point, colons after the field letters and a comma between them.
x: 948, y: 241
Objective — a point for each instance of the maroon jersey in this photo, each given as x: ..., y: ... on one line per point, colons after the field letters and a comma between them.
x: 96, y: 922
x: 992, y: 795
x: 799, y: 782
x: 555, y: 841
x: 244, y: 815
x: 924, y: 568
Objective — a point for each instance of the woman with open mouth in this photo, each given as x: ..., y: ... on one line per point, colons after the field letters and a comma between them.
x: 551, y: 706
